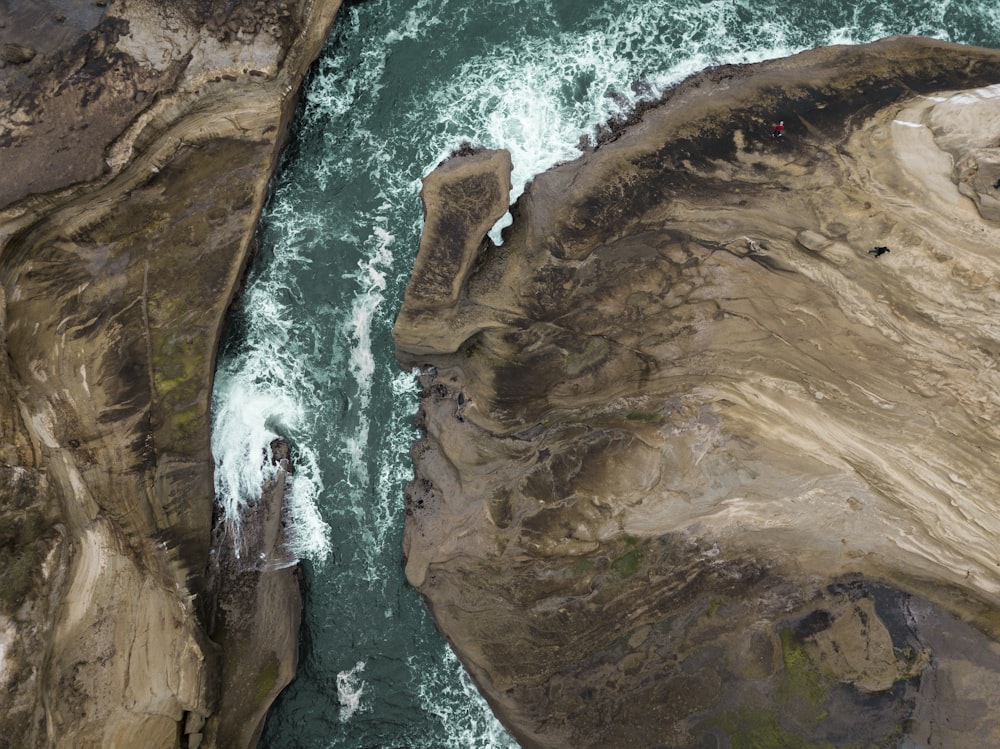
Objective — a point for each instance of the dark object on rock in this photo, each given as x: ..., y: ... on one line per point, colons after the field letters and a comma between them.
x: 16, y: 54
x: 878, y: 251
x: 464, y: 149
x: 280, y: 451
x: 996, y: 185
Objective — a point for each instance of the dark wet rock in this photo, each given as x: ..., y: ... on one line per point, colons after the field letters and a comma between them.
x: 256, y: 614
x: 695, y: 470
x: 281, y: 453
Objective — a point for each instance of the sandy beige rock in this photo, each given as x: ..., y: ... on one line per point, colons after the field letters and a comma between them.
x: 856, y: 647
x: 705, y: 471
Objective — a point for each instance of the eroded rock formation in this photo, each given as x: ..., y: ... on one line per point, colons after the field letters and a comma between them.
x: 699, y: 468
x: 137, y: 139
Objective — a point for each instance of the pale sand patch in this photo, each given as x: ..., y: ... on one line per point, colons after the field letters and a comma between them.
x: 89, y: 565
x: 6, y: 640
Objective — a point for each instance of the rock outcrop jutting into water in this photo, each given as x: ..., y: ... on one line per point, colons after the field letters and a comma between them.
x: 700, y: 467
x: 137, y: 139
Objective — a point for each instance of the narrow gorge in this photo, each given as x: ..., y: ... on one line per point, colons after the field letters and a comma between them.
x: 707, y: 444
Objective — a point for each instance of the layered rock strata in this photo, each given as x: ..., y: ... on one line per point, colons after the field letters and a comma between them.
x: 701, y: 468
x: 137, y: 140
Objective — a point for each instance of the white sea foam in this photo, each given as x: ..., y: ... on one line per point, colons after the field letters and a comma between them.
x: 350, y: 688
x: 370, y: 278
x: 394, y: 469
x: 541, y: 98
x: 536, y: 100
x: 419, y: 19
x: 449, y: 694
x: 241, y: 442
x: 246, y: 421
x: 365, y: 310
x: 308, y: 534
x: 258, y: 398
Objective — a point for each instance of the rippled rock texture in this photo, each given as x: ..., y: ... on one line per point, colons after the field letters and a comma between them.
x: 137, y: 139
x: 700, y: 468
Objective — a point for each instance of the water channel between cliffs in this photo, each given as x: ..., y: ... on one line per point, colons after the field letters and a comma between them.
x: 310, y: 358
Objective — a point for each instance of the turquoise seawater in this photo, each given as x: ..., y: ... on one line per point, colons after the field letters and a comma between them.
x: 309, y: 356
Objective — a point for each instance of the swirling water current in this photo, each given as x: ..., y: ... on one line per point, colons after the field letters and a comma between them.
x: 309, y: 357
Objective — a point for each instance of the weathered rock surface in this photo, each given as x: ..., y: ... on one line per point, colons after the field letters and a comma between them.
x: 257, y: 616
x: 137, y: 141
x: 699, y: 469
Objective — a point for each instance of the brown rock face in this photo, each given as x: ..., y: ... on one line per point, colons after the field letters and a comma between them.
x: 700, y: 467
x: 16, y: 54
x: 137, y: 144
x: 462, y: 199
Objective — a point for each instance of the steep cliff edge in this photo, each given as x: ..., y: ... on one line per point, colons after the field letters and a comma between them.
x: 137, y: 140
x: 701, y: 465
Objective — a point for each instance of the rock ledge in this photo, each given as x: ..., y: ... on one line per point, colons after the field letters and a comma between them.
x: 700, y: 468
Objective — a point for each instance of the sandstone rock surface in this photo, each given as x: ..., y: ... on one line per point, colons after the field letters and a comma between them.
x: 137, y: 140
x: 699, y: 470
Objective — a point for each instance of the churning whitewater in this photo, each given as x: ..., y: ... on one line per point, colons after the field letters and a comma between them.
x: 309, y: 356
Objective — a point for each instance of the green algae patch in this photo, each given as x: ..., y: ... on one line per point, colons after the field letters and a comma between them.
x: 627, y: 564
x: 803, y: 689
x: 472, y: 349
x: 643, y: 416
x: 594, y: 354
x: 796, y: 712
x: 266, y: 680
x: 637, y: 299
x: 753, y: 729
x: 178, y: 367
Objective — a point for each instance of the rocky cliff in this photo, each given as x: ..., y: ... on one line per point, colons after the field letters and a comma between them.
x: 137, y: 140
x: 710, y: 440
